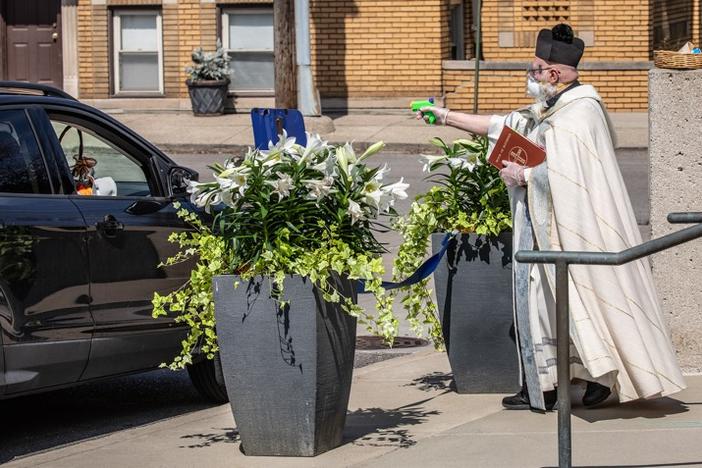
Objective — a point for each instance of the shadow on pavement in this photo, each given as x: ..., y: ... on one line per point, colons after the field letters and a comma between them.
x: 49, y: 420
x: 227, y: 435
x: 367, y: 427
x: 377, y: 427
x: 433, y: 382
x: 649, y: 409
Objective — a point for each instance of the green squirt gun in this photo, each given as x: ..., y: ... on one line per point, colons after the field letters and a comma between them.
x: 417, y: 105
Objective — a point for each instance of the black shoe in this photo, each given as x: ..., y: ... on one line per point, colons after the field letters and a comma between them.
x: 520, y: 401
x: 595, y: 394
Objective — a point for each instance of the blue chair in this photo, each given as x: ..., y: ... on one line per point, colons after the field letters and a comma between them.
x: 269, y: 123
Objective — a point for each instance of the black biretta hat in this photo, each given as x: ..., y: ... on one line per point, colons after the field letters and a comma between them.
x: 559, y: 45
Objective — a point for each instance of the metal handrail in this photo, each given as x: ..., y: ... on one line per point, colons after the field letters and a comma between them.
x: 562, y: 260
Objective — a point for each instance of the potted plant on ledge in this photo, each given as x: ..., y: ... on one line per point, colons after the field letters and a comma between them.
x: 474, y: 280
x: 208, y: 81
x: 293, y: 232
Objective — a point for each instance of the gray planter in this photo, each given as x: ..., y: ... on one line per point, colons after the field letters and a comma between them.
x: 473, y: 287
x: 208, y: 97
x: 287, y: 370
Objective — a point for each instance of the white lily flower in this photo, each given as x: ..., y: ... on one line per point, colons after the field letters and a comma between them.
x: 285, y: 143
x: 391, y: 193
x: 270, y: 159
x: 455, y: 162
x: 345, y: 156
x: 372, y: 193
x: 467, y: 162
x: 206, y: 199
x: 350, y: 153
x: 214, y: 198
x: 314, y: 145
x: 282, y: 185
x: 228, y: 198
x: 397, y: 190
x: 195, y: 189
x: 355, y: 211
x: 386, y: 202
x: 327, y: 167
x: 319, y: 188
x: 225, y: 183
x: 233, y: 179
x: 468, y: 165
x: 381, y: 172
x: 429, y: 160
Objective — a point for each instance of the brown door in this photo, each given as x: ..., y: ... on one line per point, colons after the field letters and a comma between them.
x: 33, y: 41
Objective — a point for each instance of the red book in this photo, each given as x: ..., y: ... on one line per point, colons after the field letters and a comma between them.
x: 512, y: 146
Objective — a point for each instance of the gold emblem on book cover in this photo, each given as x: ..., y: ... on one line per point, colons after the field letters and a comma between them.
x: 518, y: 155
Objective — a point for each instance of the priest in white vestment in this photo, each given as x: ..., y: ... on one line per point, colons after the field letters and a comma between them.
x: 576, y: 200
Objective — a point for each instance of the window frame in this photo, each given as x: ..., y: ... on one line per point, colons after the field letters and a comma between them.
x: 457, y: 31
x: 122, y: 142
x: 29, y: 114
x: 115, y: 42
x: 224, y: 32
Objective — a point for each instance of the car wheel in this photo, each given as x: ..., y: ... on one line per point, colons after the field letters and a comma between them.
x: 207, y: 378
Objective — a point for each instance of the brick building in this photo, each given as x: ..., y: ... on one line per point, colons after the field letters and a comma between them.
x: 365, y: 53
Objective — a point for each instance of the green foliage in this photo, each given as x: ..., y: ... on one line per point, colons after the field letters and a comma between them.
x: 468, y: 196
x: 291, y: 210
x: 209, y: 65
x: 193, y: 303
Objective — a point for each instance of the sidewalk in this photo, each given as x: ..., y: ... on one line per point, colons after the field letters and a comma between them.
x: 184, y: 133
x: 402, y: 413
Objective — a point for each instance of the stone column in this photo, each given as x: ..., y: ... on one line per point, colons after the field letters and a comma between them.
x: 69, y: 43
x: 675, y: 151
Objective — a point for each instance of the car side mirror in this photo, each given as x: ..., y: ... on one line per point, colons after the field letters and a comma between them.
x: 178, y: 178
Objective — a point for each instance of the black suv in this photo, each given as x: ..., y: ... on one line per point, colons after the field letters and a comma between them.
x: 86, y: 208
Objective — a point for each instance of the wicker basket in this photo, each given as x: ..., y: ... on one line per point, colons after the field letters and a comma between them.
x: 668, y: 59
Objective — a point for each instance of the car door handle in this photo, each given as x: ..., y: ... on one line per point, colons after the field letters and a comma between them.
x: 109, y: 226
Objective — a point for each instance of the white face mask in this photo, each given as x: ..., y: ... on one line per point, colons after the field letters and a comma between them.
x: 533, y: 88
x: 538, y: 90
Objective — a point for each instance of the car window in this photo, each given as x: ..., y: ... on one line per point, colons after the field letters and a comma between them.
x: 98, y: 166
x: 22, y: 168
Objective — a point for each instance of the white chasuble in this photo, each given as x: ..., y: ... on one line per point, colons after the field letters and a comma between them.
x: 577, y: 201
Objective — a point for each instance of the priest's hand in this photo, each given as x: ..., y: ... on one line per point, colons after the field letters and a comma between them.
x: 513, y: 174
x: 439, y: 112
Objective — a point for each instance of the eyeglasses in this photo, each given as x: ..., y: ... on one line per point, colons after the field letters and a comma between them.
x: 533, y: 71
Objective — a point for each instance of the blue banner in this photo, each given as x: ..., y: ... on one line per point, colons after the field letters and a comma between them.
x: 422, y: 273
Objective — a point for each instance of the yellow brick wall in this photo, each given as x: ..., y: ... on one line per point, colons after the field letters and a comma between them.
x: 378, y: 47
x: 620, y: 27
x: 503, y: 90
x: 93, y: 55
x: 394, y: 48
x: 197, y: 27
x: 186, y: 25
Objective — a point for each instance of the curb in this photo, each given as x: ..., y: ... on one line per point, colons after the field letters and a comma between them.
x: 359, y: 147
